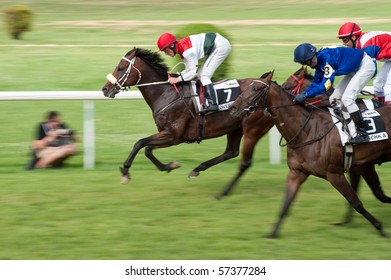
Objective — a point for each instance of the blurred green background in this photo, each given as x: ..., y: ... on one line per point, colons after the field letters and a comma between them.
x: 74, y: 213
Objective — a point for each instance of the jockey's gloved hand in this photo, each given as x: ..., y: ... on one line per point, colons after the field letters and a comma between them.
x: 299, y: 98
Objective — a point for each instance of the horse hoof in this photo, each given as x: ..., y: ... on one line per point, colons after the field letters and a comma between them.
x: 340, y: 224
x: 383, y: 234
x: 219, y: 197
x: 193, y: 174
x: 174, y: 165
x: 124, y: 180
x: 271, y: 235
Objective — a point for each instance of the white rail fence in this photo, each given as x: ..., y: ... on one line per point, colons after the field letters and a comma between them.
x: 89, y: 117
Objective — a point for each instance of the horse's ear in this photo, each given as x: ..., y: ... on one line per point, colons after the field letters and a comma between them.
x: 272, y: 73
x: 302, y: 72
x: 267, y: 75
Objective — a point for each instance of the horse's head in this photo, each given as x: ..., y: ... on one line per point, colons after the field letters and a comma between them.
x: 253, y: 96
x: 298, y: 81
x: 131, y: 68
x: 124, y: 75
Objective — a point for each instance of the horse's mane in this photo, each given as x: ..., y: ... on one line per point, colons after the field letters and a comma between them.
x: 152, y: 58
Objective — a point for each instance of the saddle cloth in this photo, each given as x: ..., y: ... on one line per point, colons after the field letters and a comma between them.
x: 347, y: 129
x: 226, y: 93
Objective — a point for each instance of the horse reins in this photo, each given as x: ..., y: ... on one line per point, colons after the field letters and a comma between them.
x: 251, y: 108
x: 121, y: 81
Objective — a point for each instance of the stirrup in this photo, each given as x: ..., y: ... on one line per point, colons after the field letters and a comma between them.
x: 210, y: 108
x: 359, y: 139
x: 338, y: 113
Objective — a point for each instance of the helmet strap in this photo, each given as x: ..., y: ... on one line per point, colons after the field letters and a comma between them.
x: 354, y: 42
x: 351, y: 36
x: 173, y: 48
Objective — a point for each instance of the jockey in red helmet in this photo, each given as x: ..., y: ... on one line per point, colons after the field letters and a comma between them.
x: 166, y: 40
x: 377, y: 44
x: 349, y: 32
x: 214, y: 47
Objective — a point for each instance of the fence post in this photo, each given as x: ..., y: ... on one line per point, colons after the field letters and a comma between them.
x: 89, y: 134
x: 274, y: 147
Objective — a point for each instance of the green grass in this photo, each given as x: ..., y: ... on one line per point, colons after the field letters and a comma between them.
x: 74, y: 213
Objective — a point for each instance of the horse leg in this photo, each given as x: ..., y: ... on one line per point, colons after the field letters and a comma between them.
x: 252, y: 134
x: 294, y: 180
x: 244, y: 165
x: 231, y: 151
x: 354, y: 175
x: 371, y: 177
x: 162, y: 167
x: 340, y: 183
x: 160, y: 139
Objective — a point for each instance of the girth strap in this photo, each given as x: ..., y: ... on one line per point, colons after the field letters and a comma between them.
x: 201, y: 128
x: 348, y: 157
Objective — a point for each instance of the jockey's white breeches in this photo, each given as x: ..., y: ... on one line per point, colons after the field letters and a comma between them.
x: 350, y: 85
x: 382, y: 82
x: 214, y: 60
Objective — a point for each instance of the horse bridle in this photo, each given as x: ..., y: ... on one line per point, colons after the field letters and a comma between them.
x: 121, y: 81
x: 252, y: 105
x: 300, y: 82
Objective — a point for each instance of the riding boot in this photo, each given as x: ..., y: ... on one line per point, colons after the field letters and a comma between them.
x: 210, y: 95
x: 361, y: 128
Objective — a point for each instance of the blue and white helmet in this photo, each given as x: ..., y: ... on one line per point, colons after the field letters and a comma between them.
x: 304, y: 52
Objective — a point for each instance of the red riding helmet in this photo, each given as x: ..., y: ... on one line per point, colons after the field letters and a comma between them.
x: 349, y: 29
x: 165, y: 40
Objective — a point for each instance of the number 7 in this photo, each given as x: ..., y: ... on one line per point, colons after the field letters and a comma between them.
x: 229, y: 92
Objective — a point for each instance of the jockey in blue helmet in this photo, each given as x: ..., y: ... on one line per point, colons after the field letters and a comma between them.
x: 357, y: 69
x: 304, y: 53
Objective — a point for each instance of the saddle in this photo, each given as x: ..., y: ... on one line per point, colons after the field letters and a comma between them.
x: 375, y: 124
x: 226, y: 93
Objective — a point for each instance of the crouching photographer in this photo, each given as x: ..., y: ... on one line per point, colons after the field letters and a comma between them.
x: 54, y: 143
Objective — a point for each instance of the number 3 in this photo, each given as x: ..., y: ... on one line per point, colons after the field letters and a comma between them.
x: 328, y: 71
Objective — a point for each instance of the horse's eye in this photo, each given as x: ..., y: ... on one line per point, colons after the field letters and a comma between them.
x: 256, y: 88
x: 120, y: 69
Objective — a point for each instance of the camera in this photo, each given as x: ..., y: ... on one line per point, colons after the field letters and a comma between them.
x: 64, y: 131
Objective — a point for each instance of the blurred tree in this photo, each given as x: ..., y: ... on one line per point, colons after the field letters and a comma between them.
x: 195, y: 28
x: 18, y: 19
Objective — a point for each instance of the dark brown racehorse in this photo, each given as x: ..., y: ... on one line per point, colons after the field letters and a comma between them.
x: 314, y: 146
x: 258, y: 124
x: 173, y: 111
x: 298, y: 82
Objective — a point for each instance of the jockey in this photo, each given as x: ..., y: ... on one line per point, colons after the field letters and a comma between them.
x: 378, y: 45
x: 357, y: 69
x: 191, y: 49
